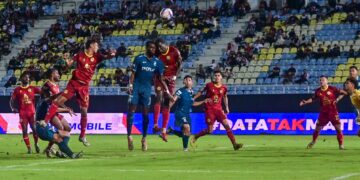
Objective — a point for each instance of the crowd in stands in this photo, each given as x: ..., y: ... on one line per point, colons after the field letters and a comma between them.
x: 66, y: 37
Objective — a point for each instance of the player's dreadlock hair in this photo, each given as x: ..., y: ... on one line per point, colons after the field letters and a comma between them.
x: 48, y: 73
x: 149, y: 42
x: 353, y: 81
x: 24, y: 74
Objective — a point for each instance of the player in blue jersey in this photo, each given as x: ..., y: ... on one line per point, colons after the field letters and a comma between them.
x: 46, y: 133
x: 144, y: 68
x: 184, y: 99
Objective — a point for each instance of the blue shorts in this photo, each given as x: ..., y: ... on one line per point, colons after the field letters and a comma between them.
x: 181, y: 119
x: 45, y: 133
x: 141, y: 96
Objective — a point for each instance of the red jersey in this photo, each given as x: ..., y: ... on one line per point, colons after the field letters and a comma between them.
x: 327, y: 98
x: 85, y: 67
x: 216, y: 94
x: 49, y: 89
x: 25, y: 97
x: 171, y: 60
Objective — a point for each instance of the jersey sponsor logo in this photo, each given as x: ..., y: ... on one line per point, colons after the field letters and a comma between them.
x: 29, y: 90
x: 168, y: 58
x: 328, y: 93
x: 149, y: 69
x: 66, y: 91
x: 87, y: 66
x: 92, y: 59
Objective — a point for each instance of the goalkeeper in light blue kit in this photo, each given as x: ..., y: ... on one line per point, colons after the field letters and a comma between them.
x: 184, y: 99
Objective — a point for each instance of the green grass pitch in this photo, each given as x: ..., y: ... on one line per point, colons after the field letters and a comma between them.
x: 263, y: 157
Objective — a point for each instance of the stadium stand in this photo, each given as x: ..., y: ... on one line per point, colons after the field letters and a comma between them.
x: 280, y: 51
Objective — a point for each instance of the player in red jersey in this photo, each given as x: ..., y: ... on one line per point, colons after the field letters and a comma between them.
x: 217, y: 93
x: 24, y: 97
x: 50, y: 91
x: 87, y: 61
x: 328, y: 97
x: 172, y: 59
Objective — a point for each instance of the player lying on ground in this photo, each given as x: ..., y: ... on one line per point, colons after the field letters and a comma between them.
x: 79, y: 84
x: 61, y: 138
x: 351, y: 87
x: 144, y: 68
x: 328, y: 97
x: 171, y: 58
x: 49, y: 92
x: 217, y: 93
x: 24, y: 97
x: 184, y: 99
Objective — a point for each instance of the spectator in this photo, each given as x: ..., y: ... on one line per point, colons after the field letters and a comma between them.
x: 121, y: 51
x: 102, y: 80
x: 290, y: 73
x: 124, y: 81
x: 275, y: 72
x: 200, y: 73
x: 12, y: 64
x: 351, y: 51
x: 108, y: 81
x: 217, y: 32
x: 304, y: 78
x: 320, y: 52
x: 154, y: 34
x: 11, y: 81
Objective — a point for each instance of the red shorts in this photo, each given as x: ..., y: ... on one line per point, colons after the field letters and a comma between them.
x: 324, y: 119
x: 169, y: 82
x: 80, y: 90
x: 27, y: 118
x: 212, y: 115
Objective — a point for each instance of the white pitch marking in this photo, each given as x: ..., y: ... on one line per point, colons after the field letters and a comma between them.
x: 346, y: 176
x: 36, y: 164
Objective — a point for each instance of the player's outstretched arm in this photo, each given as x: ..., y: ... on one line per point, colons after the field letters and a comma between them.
x: 305, y: 102
x: 173, y: 100
x: 199, y: 103
x: 198, y: 94
x: 108, y: 55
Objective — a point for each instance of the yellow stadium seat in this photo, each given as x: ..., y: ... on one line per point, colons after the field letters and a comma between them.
x: 269, y: 56
x: 351, y: 61
x: 330, y: 79
x: 341, y: 67
x: 146, y: 22
x: 264, y: 51
x: 265, y: 69
x: 271, y: 51
x: 279, y: 50
x: 33, y: 83
x: 337, y: 80
x: 122, y: 33
x: 338, y: 73
x: 262, y: 57
x: 343, y: 79
x: 178, y: 31
x: 293, y: 50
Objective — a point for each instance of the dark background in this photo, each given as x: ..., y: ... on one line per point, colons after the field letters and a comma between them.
x: 238, y: 103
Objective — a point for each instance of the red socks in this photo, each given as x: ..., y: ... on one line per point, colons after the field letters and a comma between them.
x: 315, y: 135
x: 201, y: 133
x: 231, y: 136
x: 340, y: 138
x: 156, y: 113
x: 26, y: 140
x: 83, y: 124
x: 166, y: 117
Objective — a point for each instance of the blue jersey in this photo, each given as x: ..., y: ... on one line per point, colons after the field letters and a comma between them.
x: 145, y: 69
x: 185, y: 101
